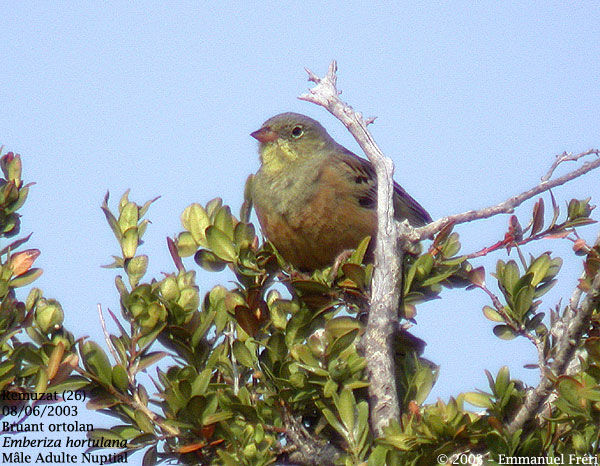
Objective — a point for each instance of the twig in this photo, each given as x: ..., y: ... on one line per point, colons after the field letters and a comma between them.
x: 230, y: 335
x: 505, y: 207
x: 384, y: 299
x: 566, y: 157
x: 111, y: 348
x: 510, y: 242
x: 539, y: 345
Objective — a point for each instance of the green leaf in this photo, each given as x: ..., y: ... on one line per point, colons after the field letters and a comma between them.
x: 209, y: 261
x: 186, y: 245
x: 298, y: 380
x: 129, y: 242
x: 42, y: 381
x: 340, y: 326
x: 480, y: 400
x: 333, y: 422
x: 302, y: 353
x: 49, y: 315
x: 74, y: 382
x: 220, y: 244
x: 451, y: 247
x: 23, y: 192
x: 504, y: 332
x: 136, y: 268
x: 502, y: 381
x: 144, y: 422
x: 424, y: 380
x: 126, y: 432
x: 102, y: 401
x: 345, y: 405
x: 378, y: 456
x: 361, y: 429
x: 26, y: 279
x: 340, y: 344
x: 523, y: 300
x: 510, y: 276
x: 541, y: 290
x: 276, y: 348
x: 244, y: 235
x: 149, y: 359
x: 128, y: 217
x: 224, y: 221
x: 423, y: 265
x: 216, y: 417
x: 539, y: 268
x: 440, y: 276
x: 150, y: 457
x: 119, y: 377
x: 356, y: 273
x: 201, y: 382
x: 100, y: 434
x: 330, y: 388
x: 410, y: 276
x: 146, y: 206
x: 149, y: 338
x: 246, y: 207
x: 492, y: 314
x: 569, y: 389
x: 96, y: 361
x: 195, y: 219
x: 213, y: 206
x: 359, y: 253
x: 242, y: 354
x: 296, y: 325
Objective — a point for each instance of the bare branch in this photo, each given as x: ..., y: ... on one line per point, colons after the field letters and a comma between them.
x: 575, y: 299
x: 306, y: 448
x: 384, y: 288
x: 566, y: 157
x: 505, y: 207
x: 569, y: 330
x: 111, y: 348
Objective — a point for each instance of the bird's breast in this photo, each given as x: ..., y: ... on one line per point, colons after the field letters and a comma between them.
x: 310, y: 221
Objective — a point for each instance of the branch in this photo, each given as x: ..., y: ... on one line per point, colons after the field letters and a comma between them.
x: 384, y: 299
x: 566, y: 157
x: 107, y: 339
x: 569, y: 330
x: 305, y: 448
x: 135, y: 403
x: 507, y: 206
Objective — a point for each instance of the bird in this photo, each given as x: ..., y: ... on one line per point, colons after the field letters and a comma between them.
x: 314, y: 198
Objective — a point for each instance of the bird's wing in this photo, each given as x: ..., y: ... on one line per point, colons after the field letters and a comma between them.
x: 362, y: 173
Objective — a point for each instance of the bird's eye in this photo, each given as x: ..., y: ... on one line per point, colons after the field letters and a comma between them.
x: 297, y: 131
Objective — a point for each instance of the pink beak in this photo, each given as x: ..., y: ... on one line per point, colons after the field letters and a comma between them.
x: 264, y: 135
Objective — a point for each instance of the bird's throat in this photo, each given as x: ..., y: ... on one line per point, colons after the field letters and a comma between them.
x: 277, y: 156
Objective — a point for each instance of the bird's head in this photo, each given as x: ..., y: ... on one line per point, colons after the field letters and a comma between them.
x: 290, y: 137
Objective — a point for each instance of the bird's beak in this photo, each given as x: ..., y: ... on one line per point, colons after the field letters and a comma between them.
x: 264, y: 135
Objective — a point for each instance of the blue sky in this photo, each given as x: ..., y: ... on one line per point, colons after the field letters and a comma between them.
x: 473, y: 101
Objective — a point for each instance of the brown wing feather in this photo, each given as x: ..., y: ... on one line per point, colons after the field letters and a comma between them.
x: 361, y: 171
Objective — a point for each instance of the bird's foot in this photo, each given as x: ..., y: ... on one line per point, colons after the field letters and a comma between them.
x: 339, y: 260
